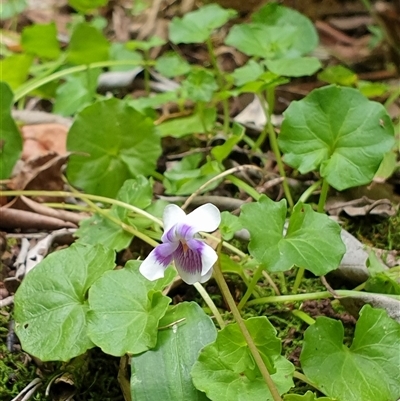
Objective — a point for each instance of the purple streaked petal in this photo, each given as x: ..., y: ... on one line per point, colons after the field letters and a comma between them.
x: 205, y: 218
x: 208, y: 255
x: 157, y: 261
x: 188, y: 262
x: 173, y: 214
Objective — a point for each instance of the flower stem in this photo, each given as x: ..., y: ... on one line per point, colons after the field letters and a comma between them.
x: 323, y: 196
x: 297, y: 281
x: 242, y: 326
x: 256, y: 276
x: 313, y: 295
x: 274, y: 143
x: 210, y: 303
x: 220, y: 81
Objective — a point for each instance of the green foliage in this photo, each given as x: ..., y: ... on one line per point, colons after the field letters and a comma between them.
x: 11, y: 8
x: 372, y: 359
x: 197, y: 26
x: 41, y: 40
x: 86, y: 6
x: 99, y: 229
x: 15, y: 69
x: 117, y: 141
x: 303, y: 245
x: 125, y: 309
x: 87, y: 45
x: 339, y: 132
x: 77, y: 92
x: 10, y: 137
x: 51, y: 303
x: 225, y: 369
x: 183, y: 332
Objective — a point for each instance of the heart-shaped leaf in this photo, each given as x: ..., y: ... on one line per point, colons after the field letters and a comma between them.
x: 368, y: 370
x: 10, y: 137
x: 51, y: 306
x: 303, y: 245
x: 197, y: 26
x: 226, y: 370
x: 115, y: 143
x: 125, y: 309
x: 338, y: 131
x: 305, y: 38
x: 178, y: 346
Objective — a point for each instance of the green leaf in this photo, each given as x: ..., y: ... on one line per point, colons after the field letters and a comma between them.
x: 193, y: 124
x: 15, y: 69
x: 41, y: 40
x: 309, y: 396
x: 305, y: 37
x: 338, y: 131
x: 118, y: 142
x: 337, y: 74
x: 178, y: 346
x: 226, y: 371
x: 260, y: 40
x: 197, y: 26
x: 248, y: 73
x: 85, y: 6
x: 77, y: 92
x: 185, y: 178
x: 199, y: 86
x: 51, y: 303
x: 172, y: 65
x: 303, y: 245
x: 372, y: 361
x: 10, y: 137
x: 145, y: 45
x: 99, y: 229
x: 87, y: 45
x: 294, y: 67
x: 229, y: 225
x: 125, y: 309
x: 221, y: 152
x: 10, y: 8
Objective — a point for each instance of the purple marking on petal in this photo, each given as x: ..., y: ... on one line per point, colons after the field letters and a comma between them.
x: 188, y: 259
x: 164, y: 253
x: 184, y: 231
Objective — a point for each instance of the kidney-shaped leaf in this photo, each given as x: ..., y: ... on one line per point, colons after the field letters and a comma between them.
x: 368, y: 370
x: 51, y: 306
x: 114, y: 142
x: 10, y: 137
x: 197, y: 26
x: 306, y: 36
x: 178, y: 346
x: 338, y: 131
x: 312, y: 240
x: 125, y: 309
x: 226, y: 370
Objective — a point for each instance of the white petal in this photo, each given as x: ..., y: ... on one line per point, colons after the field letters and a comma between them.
x: 208, y: 259
x: 206, y: 277
x: 173, y: 214
x: 157, y: 261
x: 205, y: 218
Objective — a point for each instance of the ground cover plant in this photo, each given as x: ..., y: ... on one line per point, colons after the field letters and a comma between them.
x: 188, y: 299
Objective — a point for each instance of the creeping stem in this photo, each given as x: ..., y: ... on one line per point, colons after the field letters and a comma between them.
x: 242, y: 326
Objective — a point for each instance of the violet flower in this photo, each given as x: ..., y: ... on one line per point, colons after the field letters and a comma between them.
x: 193, y: 258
